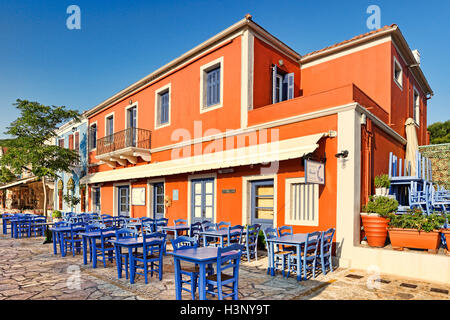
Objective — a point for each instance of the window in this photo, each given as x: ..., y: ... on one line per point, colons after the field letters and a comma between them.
x: 211, y: 85
x: 93, y: 136
x: 416, y: 106
x: 398, y: 73
x: 77, y: 141
x: 61, y: 143
x: 302, y: 202
x: 162, y: 107
x: 71, y: 141
x: 109, y: 127
x: 282, y: 85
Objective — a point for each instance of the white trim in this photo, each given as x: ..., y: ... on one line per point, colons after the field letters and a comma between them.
x: 150, y: 188
x: 203, y: 69
x: 395, y: 64
x: 417, y: 121
x: 115, y: 196
x: 344, y: 52
x: 247, y: 61
x: 288, y: 198
x: 246, y: 196
x: 134, y: 104
x: 201, y: 176
x: 167, y: 87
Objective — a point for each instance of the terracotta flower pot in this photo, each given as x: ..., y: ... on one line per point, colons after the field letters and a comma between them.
x: 412, y: 238
x: 375, y: 228
x: 446, y: 233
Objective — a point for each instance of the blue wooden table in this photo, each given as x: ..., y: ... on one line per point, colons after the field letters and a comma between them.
x: 202, y: 256
x: 221, y: 234
x: 296, y: 240
x: 58, y: 237
x: 89, y: 238
x: 175, y: 229
x: 130, y: 244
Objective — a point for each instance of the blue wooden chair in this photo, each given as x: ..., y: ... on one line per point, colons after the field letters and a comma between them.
x: 72, y: 239
x: 161, y: 222
x: 182, y: 243
x: 194, y: 231
x: 122, y: 257
x: 152, y: 253
x: 209, y: 226
x: 308, y: 255
x: 216, y: 283
x: 235, y: 234
x: 324, y: 254
x: 104, y: 248
x: 37, y: 225
x: 180, y: 222
x: 286, y: 230
x: 24, y: 226
x: 250, y: 241
x: 280, y: 257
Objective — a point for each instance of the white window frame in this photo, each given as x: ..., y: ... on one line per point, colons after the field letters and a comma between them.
x: 150, y: 193
x: 288, y: 206
x: 203, y: 81
x: 96, y: 136
x: 416, y: 106
x: 106, y: 123
x: 400, y: 81
x: 135, y: 104
x: 167, y: 87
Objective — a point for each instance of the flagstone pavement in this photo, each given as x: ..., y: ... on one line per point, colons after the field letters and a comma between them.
x: 30, y: 270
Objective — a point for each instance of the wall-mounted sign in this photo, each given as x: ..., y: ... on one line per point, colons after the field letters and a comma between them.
x: 138, y: 196
x: 228, y: 190
x: 175, y: 194
x: 314, y: 172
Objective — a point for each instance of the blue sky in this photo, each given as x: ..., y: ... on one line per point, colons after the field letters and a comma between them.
x: 123, y: 41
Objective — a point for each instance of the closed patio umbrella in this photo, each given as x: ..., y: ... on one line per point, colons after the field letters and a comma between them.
x: 412, y: 145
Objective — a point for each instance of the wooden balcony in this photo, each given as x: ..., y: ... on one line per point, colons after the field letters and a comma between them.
x: 124, y: 146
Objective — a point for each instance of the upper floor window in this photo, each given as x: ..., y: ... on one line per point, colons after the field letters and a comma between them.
x: 61, y: 142
x: 77, y: 141
x: 109, y: 125
x: 162, y: 106
x: 93, y: 136
x: 211, y: 85
x: 416, y: 109
x: 282, y: 85
x: 398, y: 73
x: 132, y: 117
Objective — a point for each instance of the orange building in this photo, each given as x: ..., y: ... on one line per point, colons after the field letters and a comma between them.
x: 222, y: 132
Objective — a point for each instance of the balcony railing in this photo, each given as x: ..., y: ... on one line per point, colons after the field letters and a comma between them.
x: 128, y: 138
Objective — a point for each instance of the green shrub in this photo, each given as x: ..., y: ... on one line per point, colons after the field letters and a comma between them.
x: 383, y: 206
x: 382, y: 181
x: 56, y: 214
x: 416, y: 219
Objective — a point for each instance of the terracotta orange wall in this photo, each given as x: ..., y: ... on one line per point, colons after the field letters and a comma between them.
x: 368, y: 69
x: 264, y: 56
x: 185, y: 100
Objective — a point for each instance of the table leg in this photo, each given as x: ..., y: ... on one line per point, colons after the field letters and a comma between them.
x: 94, y: 252
x: 202, y: 282
x: 272, y: 255
x: 177, y: 278
x: 204, y: 241
x: 61, y: 244
x: 130, y: 255
x: 54, y: 235
x: 299, y: 264
x: 221, y: 242
x: 118, y: 261
x: 84, y: 250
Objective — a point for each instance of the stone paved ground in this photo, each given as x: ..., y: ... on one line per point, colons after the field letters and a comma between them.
x: 29, y: 270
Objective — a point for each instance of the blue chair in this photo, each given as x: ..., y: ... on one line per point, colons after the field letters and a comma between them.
x: 250, y: 241
x: 38, y: 226
x: 72, y: 239
x: 209, y: 226
x: 280, y: 257
x: 182, y: 243
x: 235, y: 234
x: 180, y: 222
x: 308, y: 255
x: 286, y: 230
x: 161, y: 222
x: 104, y: 247
x: 223, y: 225
x: 216, y: 283
x: 152, y: 252
x: 122, y: 257
x: 324, y: 255
x: 23, y: 226
x: 194, y: 231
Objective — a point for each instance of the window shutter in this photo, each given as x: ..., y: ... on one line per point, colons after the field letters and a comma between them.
x: 71, y: 142
x: 77, y: 141
x: 290, y: 84
x: 274, y: 84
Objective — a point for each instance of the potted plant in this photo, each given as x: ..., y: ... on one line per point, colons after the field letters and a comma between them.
x: 382, y: 184
x: 415, y: 229
x: 446, y: 233
x: 375, y: 218
x: 56, y: 215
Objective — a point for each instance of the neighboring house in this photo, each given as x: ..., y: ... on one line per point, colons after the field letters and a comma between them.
x: 72, y: 135
x: 221, y: 133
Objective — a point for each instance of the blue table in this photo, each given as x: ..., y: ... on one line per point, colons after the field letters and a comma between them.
x: 58, y: 237
x: 296, y: 240
x: 202, y: 256
x: 130, y: 244
x: 222, y: 233
x: 90, y: 237
x: 175, y: 229
x: 15, y: 222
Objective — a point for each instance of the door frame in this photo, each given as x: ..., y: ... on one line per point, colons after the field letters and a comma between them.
x: 247, y: 197
x: 150, y: 194
x: 116, y: 196
x: 189, y: 193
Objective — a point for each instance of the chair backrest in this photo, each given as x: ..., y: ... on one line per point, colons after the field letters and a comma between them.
x: 208, y: 226
x: 269, y: 233
x: 148, y: 227
x: 251, y: 235
x: 285, y: 230
x: 326, y: 241
x: 227, y: 260
x: 149, y: 242
x: 126, y: 233
x: 180, y: 222
x: 223, y: 225
x: 161, y: 222
x: 93, y: 227
x: 195, y: 228
x: 183, y: 242
x: 104, y: 236
x: 235, y: 234
x: 61, y: 224
x: 311, y: 244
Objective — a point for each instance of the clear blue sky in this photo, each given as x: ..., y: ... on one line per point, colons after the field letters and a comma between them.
x: 123, y: 41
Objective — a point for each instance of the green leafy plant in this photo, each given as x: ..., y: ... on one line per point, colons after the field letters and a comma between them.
x: 71, y: 200
x: 416, y: 219
x: 382, y: 181
x: 383, y: 206
x: 56, y: 214
x: 261, y: 240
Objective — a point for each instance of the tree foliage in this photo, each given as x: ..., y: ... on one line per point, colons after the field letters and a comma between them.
x: 439, y: 132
